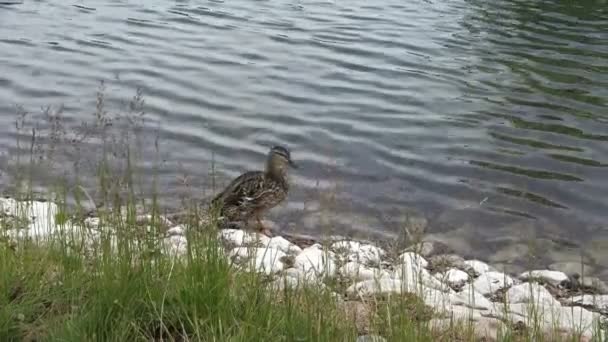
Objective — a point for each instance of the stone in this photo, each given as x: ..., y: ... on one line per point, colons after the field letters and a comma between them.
x: 358, y: 272
x: 177, y: 230
x: 572, y: 267
x: 176, y: 245
x: 413, y: 276
x: 593, y: 284
x: 92, y: 222
x: 283, y: 283
x: 470, y: 298
x: 34, y: 219
x: 410, y: 258
x: 532, y: 293
x: 315, y: 260
x: 282, y: 244
x: 454, y: 277
x: 355, y: 251
x: 259, y: 259
x: 486, y: 328
x: 479, y: 267
x: 303, y: 277
x: 490, y: 282
x: 597, y: 303
x: 376, y: 287
x: 443, y: 262
x: 427, y: 248
x: 371, y: 338
x: 551, y: 277
x: 233, y: 237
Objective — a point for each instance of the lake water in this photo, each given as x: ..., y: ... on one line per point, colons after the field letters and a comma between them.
x: 475, y: 113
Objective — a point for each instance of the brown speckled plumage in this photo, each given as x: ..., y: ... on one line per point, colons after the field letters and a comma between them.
x: 253, y: 193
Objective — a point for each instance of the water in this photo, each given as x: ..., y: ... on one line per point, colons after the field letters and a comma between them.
x: 476, y: 113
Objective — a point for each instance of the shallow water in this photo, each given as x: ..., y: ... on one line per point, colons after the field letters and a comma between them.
x: 475, y: 113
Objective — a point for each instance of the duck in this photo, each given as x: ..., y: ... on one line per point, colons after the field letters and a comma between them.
x: 252, y: 194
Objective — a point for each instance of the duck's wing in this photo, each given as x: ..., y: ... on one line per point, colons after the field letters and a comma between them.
x: 245, y: 188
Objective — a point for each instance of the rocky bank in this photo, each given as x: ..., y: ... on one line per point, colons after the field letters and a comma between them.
x: 454, y: 288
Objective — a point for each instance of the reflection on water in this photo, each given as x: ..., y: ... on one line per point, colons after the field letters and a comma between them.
x: 425, y: 105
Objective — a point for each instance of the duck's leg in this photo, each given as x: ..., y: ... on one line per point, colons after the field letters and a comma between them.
x: 261, y: 226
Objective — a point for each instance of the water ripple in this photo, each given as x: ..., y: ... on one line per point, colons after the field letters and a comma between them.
x: 421, y: 102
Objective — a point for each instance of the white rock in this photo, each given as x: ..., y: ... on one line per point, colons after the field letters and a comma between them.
x: 176, y: 245
x: 40, y: 217
x: 358, y: 272
x: 414, y: 259
x: 414, y: 276
x: 552, y: 277
x: 92, y: 222
x: 280, y: 243
x: 470, y: 298
x: 490, y: 282
x: 458, y: 313
x: 281, y: 283
x: 234, y: 237
x: 303, y: 277
x: 454, y: 277
x: 531, y: 293
x: 479, y: 267
x: 177, y: 230
x: 359, y: 252
x: 293, y: 278
x: 370, y: 338
x: 315, y: 260
x: 257, y: 239
x: 597, y: 301
x: 551, y: 316
x: 259, y: 259
x: 380, y: 286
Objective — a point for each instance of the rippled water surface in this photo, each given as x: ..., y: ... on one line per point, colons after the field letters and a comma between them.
x: 474, y: 112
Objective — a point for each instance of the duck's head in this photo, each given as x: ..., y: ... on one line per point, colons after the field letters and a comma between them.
x: 279, y: 160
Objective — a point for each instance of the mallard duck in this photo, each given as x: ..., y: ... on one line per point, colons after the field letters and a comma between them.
x: 253, y: 193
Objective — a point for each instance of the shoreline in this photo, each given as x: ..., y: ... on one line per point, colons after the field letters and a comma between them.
x: 452, y: 287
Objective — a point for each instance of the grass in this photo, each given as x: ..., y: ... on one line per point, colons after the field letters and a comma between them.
x: 124, y: 289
